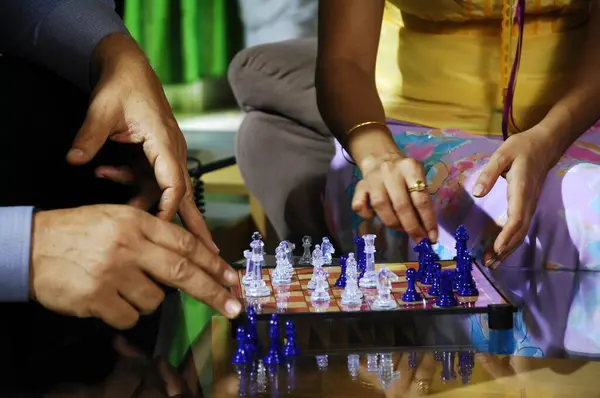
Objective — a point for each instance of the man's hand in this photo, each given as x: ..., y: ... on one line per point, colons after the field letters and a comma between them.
x: 524, y: 160
x: 101, y: 261
x: 128, y: 105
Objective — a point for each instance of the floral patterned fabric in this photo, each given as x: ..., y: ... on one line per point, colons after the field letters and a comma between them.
x: 564, y: 232
x: 564, y: 236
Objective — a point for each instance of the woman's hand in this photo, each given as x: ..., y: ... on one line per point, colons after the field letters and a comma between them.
x: 524, y: 159
x: 393, y: 189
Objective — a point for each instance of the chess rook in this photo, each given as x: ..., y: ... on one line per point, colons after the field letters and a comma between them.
x: 369, y: 279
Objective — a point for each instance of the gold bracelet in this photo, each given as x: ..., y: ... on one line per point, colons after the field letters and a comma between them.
x: 363, y: 124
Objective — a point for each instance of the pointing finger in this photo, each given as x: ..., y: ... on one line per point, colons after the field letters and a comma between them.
x: 178, y: 240
x: 179, y: 272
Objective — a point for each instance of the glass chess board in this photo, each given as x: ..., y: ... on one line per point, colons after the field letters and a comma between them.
x: 294, y: 299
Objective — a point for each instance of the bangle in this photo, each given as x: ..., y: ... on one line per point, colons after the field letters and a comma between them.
x: 363, y: 124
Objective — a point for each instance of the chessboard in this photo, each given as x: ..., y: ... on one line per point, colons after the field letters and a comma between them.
x: 294, y: 299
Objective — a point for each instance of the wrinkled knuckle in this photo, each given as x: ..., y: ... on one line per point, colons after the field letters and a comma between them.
x: 421, y: 202
x: 155, y: 298
x: 378, y: 203
x: 411, y: 164
x: 186, y: 243
x: 180, y: 271
x: 401, y: 207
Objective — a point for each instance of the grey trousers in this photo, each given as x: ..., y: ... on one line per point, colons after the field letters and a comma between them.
x: 284, y: 148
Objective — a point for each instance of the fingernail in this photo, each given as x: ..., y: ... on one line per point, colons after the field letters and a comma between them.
x: 75, y: 153
x: 501, y: 251
x: 433, y: 236
x: 233, y: 308
x: 216, y: 247
x: 478, y: 190
x: 231, y: 277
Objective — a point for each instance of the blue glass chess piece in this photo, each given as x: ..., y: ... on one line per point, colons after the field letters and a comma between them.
x: 446, y: 297
x: 434, y: 290
x: 341, y: 281
x: 428, y: 277
x: 411, y: 294
x: 290, y: 349
x: 241, y: 356
x: 361, y: 257
x: 272, y: 357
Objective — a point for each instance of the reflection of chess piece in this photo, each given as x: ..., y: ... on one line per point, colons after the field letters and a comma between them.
x: 306, y: 255
x: 282, y: 297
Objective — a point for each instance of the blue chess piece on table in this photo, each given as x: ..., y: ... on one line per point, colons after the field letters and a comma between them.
x: 411, y: 294
x: 428, y: 276
x: 464, y: 283
x: 341, y: 281
x: 434, y: 290
x: 422, y: 248
x: 361, y: 257
x: 446, y: 297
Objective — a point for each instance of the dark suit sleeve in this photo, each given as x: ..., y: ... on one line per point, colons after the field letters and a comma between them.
x: 60, y: 35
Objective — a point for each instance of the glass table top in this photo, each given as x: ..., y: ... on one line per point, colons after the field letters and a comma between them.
x: 552, y: 351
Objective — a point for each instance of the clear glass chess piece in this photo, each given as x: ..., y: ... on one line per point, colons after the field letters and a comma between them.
x: 373, y: 363
x: 369, y: 279
x: 257, y: 287
x: 249, y: 268
x: 353, y: 365
x: 320, y: 293
x: 352, y: 295
x: 322, y: 361
x: 384, y: 299
x: 328, y: 250
x: 281, y: 275
x: 317, y: 263
x: 306, y: 255
x: 289, y: 252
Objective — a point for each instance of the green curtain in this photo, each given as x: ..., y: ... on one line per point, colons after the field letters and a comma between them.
x: 189, y: 43
x: 185, y: 40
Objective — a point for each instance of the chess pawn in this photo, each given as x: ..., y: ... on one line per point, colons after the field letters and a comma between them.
x: 281, y: 275
x: 249, y: 275
x: 320, y: 293
x: 306, y: 255
x: 351, y: 295
x: 384, y: 298
x: 328, y: 250
x: 446, y: 297
x: 317, y: 262
x: 411, y: 294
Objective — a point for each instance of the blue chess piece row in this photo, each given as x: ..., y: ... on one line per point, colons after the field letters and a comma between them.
x: 248, y: 349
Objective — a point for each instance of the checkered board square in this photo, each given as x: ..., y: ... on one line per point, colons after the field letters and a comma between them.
x: 294, y: 298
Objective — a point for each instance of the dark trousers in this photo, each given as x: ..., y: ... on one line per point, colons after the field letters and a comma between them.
x: 39, y: 117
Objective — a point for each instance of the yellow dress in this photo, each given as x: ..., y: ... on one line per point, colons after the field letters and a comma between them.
x: 439, y: 61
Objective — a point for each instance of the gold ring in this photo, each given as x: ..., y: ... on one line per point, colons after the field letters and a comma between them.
x: 418, y: 186
x: 422, y: 386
